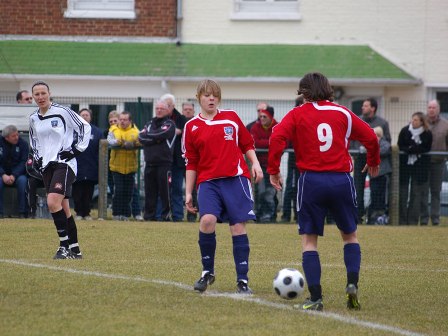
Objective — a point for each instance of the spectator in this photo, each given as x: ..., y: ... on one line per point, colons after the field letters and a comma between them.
x: 33, y: 182
x: 178, y: 166
x: 13, y: 157
x: 54, y: 146
x: 108, y: 134
x: 266, y: 208
x: 136, y: 209
x: 414, y: 140
x: 157, y: 138
x: 369, y: 110
x: 87, y: 176
x: 291, y: 180
x: 24, y: 97
x: 188, y: 112
x: 123, y: 164
x: 379, y: 192
x: 214, y: 144
x: 439, y: 129
x: 261, y: 106
x: 320, y: 131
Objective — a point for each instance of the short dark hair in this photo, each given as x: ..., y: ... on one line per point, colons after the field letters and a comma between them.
x: 40, y: 83
x: 85, y: 109
x: 314, y: 86
x: 128, y: 114
x: 19, y: 94
x: 372, y: 102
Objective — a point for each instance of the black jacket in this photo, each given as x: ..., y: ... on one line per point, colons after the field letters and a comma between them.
x: 180, y: 122
x: 158, y: 138
x: 88, y: 160
x: 407, y: 145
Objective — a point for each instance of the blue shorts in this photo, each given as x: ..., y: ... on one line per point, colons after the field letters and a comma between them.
x: 229, y: 199
x: 321, y: 192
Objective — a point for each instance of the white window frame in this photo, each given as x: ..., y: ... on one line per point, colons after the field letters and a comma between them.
x: 266, y: 10
x: 100, y: 9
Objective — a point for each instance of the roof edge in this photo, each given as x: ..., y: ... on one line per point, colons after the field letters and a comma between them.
x: 284, y: 80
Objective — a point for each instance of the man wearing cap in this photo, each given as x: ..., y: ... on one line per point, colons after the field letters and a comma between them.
x: 266, y: 207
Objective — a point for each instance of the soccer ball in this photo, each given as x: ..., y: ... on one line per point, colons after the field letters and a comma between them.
x: 289, y: 283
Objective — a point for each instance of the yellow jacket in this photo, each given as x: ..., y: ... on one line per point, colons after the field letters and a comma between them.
x: 122, y: 160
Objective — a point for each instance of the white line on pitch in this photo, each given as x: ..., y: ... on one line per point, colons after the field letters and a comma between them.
x: 234, y: 296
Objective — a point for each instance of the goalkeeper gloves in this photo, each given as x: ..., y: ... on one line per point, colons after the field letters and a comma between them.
x: 70, y: 154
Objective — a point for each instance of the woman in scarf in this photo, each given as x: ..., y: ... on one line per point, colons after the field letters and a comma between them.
x: 414, y: 140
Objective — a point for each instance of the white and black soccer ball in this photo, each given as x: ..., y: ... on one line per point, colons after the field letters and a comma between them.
x: 289, y: 283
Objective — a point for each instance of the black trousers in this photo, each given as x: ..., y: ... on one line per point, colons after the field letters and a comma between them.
x: 360, y: 181
x: 157, y: 184
x: 33, y: 185
x: 121, y: 202
x: 82, y: 193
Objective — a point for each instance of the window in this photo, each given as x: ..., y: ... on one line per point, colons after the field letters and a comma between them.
x: 100, y: 9
x: 442, y: 97
x: 281, y: 10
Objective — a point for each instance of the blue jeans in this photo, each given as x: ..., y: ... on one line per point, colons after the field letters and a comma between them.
x: 177, y: 197
x: 20, y: 184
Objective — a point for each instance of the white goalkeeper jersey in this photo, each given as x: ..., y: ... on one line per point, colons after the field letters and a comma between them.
x: 56, y: 131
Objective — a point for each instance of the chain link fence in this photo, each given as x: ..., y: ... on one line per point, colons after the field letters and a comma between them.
x: 397, y: 113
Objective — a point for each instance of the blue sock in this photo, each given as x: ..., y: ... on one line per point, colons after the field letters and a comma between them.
x: 352, y: 260
x: 241, y: 251
x: 207, y: 245
x: 311, y: 267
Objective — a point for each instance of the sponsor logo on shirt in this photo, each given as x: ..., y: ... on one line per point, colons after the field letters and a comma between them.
x: 228, y: 133
x: 194, y: 128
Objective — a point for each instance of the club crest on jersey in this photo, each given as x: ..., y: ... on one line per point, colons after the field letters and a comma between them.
x: 228, y: 133
x: 54, y: 123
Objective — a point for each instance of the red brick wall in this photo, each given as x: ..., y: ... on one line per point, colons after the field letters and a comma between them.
x: 155, y: 18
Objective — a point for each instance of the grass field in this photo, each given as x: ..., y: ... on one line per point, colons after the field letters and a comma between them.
x: 136, y: 279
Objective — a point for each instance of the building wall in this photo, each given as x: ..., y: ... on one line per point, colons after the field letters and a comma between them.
x: 410, y: 33
x: 155, y: 18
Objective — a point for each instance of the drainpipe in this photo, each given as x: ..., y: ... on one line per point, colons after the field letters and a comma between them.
x: 179, y: 19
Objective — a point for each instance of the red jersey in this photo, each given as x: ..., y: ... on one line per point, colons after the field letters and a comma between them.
x: 320, y: 133
x: 215, y: 148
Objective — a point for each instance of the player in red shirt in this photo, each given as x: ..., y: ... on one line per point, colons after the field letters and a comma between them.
x: 213, y: 143
x: 320, y: 132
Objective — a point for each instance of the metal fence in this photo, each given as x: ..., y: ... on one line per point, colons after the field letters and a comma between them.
x: 398, y: 113
x: 392, y: 198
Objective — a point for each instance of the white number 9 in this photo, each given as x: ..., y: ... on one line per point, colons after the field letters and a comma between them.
x: 325, y: 135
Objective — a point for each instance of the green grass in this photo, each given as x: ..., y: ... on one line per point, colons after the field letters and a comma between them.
x: 195, y: 60
x: 403, y: 282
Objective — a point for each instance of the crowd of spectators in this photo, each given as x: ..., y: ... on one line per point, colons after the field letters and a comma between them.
x: 420, y: 176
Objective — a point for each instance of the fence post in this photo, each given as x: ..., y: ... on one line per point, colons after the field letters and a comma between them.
x: 102, y: 179
x: 394, y: 187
